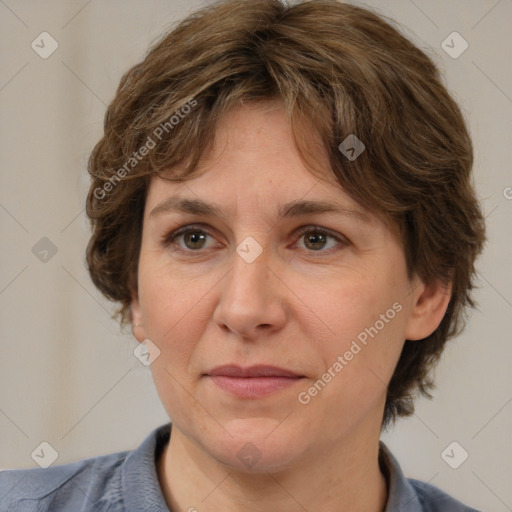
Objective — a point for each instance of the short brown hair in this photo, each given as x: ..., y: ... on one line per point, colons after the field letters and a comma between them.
x: 339, y: 70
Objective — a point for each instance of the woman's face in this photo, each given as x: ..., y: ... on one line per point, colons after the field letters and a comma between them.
x: 307, y: 311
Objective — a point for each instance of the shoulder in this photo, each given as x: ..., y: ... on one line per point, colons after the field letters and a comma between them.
x: 107, y: 483
x: 64, y: 487
x: 433, y: 499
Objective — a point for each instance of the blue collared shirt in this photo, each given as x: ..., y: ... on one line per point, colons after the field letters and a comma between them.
x: 128, y: 482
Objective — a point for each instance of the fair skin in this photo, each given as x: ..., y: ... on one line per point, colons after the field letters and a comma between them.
x: 298, y: 306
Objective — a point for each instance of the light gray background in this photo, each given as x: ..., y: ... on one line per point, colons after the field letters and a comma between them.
x: 68, y: 375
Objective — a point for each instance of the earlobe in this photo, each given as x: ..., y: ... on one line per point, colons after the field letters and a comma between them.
x: 430, y: 302
x: 137, y: 323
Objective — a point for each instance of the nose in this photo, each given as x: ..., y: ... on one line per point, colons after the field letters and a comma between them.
x: 251, y: 303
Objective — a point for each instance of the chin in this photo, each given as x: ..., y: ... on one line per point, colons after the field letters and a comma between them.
x: 256, y: 445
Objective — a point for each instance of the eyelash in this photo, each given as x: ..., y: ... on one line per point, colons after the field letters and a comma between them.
x: 169, y: 239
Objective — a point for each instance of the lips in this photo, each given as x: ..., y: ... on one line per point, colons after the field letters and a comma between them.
x: 254, y: 381
x: 252, y: 371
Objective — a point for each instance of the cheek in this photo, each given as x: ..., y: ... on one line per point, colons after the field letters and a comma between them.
x: 360, y: 317
x: 168, y: 304
x: 338, y: 309
x: 173, y: 310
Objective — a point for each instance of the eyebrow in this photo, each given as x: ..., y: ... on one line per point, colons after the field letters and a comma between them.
x: 291, y: 209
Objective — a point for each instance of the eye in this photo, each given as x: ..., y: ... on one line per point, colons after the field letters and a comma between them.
x: 316, y: 239
x: 193, y: 238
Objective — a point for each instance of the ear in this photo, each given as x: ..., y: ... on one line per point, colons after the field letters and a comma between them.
x: 429, y: 305
x: 137, y: 319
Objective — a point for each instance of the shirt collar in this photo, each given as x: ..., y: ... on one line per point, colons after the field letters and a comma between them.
x: 141, y: 488
x: 401, y: 495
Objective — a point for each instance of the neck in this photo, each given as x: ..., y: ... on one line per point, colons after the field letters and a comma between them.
x: 341, y: 480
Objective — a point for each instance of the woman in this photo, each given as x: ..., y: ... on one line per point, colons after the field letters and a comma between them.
x: 282, y: 205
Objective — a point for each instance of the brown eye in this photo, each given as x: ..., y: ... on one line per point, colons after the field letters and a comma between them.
x: 316, y: 239
x: 194, y: 239
x: 188, y: 239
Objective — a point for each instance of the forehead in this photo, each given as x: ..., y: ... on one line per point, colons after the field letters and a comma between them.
x: 253, y: 157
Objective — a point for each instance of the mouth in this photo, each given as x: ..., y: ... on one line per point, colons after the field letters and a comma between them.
x: 254, y: 381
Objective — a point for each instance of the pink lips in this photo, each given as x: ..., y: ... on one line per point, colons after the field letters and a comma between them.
x: 254, y: 381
